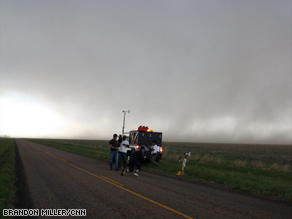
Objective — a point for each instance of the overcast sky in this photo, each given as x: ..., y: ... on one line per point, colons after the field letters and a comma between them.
x: 198, y: 71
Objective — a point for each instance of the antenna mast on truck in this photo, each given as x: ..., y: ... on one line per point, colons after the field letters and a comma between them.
x: 124, y: 120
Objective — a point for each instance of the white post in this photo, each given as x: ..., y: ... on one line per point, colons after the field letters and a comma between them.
x: 124, y: 121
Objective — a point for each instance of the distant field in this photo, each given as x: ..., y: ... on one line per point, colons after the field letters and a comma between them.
x: 263, y: 156
x: 263, y: 170
x: 251, y: 155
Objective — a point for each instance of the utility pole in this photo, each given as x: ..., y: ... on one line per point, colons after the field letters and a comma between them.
x: 124, y: 120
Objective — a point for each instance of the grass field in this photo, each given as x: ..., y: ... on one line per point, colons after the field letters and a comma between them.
x: 263, y: 170
x: 7, y: 174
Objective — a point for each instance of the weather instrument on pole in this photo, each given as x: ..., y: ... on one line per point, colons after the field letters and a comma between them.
x: 184, y: 161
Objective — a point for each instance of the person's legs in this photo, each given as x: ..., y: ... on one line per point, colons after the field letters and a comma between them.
x: 111, y: 159
x: 124, y: 158
x: 153, y: 158
x: 131, y: 164
x: 120, y: 159
x: 138, y: 165
x: 155, y: 162
x: 116, y: 155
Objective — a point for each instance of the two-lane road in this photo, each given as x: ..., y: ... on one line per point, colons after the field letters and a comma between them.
x: 61, y: 180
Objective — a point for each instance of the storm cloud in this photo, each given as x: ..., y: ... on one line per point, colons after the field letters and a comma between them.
x: 200, y: 71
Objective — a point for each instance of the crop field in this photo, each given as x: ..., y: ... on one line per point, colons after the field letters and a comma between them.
x: 262, y: 170
x: 262, y: 156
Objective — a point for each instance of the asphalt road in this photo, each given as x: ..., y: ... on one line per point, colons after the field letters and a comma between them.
x: 55, y: 179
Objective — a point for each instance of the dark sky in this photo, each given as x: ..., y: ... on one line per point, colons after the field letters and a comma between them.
x: 199, y: 71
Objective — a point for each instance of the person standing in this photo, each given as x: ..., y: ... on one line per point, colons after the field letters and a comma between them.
x: 123, y: 153
x: 114, y: 155
x: 154, y: 149
x: 136, y: 158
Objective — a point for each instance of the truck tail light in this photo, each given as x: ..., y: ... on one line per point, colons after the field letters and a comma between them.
x: 161, y: 149
x: 137, y: 146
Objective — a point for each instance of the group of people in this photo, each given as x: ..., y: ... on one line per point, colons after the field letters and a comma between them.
x: 118, y: 154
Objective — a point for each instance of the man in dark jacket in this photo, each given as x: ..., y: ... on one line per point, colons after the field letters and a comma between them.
x: 113, y: 146
x: 136, y: 158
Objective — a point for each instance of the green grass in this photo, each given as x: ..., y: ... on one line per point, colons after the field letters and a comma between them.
x: 265, y: 183
x: 7, y: 174
x: 263, y: 170
x: 90, y: 148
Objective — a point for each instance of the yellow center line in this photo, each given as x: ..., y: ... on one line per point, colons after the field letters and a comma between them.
x: 119, y: 186
x: 111, y: 180
x: 100, y: 177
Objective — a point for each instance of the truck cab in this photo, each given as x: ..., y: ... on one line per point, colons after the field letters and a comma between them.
x: 137, y: 139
